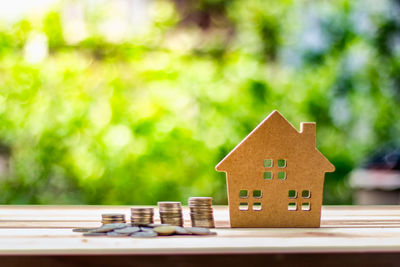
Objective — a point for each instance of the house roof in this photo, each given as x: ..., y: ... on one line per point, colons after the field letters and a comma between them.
x: 274, y: 125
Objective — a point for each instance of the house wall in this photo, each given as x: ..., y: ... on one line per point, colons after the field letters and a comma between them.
x: 275, y: 199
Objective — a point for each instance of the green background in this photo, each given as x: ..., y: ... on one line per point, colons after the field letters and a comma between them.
x: 148, y: 118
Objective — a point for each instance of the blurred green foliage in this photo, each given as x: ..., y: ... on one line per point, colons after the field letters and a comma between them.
x: 147, y: 119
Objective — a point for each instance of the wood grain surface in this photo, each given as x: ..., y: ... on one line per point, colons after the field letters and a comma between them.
x: 46, y: 230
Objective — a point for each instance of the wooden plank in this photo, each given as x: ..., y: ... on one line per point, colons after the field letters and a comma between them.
x: 46, y: 230
x: 65, y: 242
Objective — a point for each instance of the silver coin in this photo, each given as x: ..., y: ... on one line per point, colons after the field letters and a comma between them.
x: 101, y: 230
x: 115, y: 234
x: 115, y: 225
x: 181, y: 231
x: 127, y: 230
x: 199, y: 230
x: 144, y: 228
x: 144, y: 234
x: 82, y: 230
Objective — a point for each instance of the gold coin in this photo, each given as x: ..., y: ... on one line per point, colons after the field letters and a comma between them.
x: 164, y: 230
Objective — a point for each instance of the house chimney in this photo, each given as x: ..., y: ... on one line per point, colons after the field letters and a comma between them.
x: 307, y: 130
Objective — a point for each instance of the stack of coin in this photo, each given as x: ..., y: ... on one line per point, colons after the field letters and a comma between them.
x: 108, y: 218
x: 142, y: 216
x: 201, y: 212
x: 171, y: 213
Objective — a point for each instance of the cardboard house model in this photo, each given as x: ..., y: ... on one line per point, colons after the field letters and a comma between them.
x: 275, y: 176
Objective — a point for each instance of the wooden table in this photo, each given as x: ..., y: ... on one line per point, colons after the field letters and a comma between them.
x: 349, y: 235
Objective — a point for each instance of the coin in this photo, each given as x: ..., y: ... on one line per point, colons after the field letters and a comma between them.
x: 144, y: 228
x: 169, y: 203
x: 174, y: 215
x: 144, y: 234
x: 164, y: 230
x: 152, y: 225
x: 170, y: 213
x: 110, y: 218
x: 182, y: 231
x: 112, y: 215
x: 127, y: 230
x: 101, y: 230
x: 201, y: 212
x: 115, y: 234
x: 140, y: 216
x: 199, y: 230
x: 200, y: 201
x: 115, y: 225
x: 111, y: 222
x: 82, y: 230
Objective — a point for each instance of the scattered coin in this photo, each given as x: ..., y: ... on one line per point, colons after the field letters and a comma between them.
x: 115, y: 225
x: 199, y: 230
x: 142, y: 221
x: 127, y: 230
x: 165, y: 230
x: 144, y: 228
x: 101, y: 230
x: 182, y: 231
x: 82, y: 230
x: 115, y: 234
x: 144, y: 234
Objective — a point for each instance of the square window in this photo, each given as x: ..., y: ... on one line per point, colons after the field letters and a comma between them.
x: 306, y: 194
x: 306, y: 206
x: 292, y: 194
x: 281, y: 175
x: 257, y: 193
x: 268, y: 175
x: 243, y: 193
x: 281, y: 163
x: 243, y: 206
x: 292, y: 206
x: 268, y: 163
x: 257, y: 206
